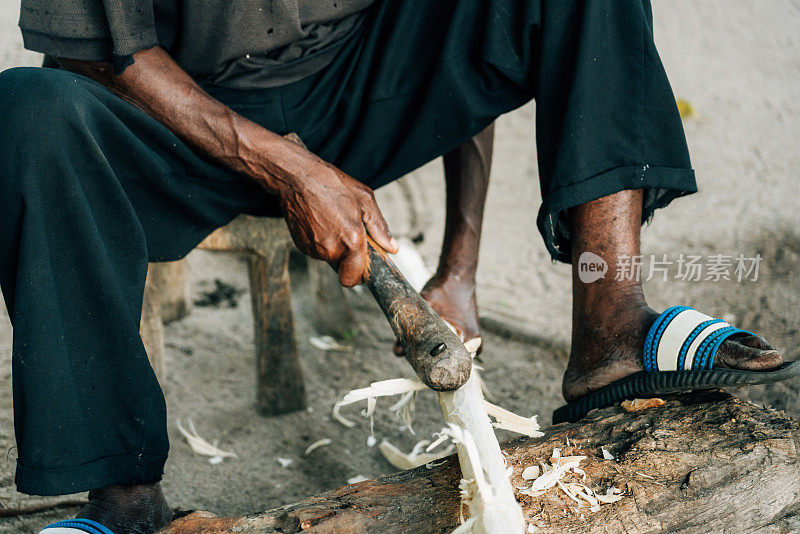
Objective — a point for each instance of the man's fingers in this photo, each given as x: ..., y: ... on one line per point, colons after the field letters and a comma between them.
x: 352, y: 267
x: 377, y: 228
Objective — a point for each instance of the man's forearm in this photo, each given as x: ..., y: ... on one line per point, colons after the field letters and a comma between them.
x: 328, y: 213
x: 162, y: 89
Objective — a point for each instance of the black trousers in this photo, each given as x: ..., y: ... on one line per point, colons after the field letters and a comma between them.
x: 91, y: 188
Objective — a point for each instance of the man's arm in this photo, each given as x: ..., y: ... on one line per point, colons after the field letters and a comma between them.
x: 328, y: 213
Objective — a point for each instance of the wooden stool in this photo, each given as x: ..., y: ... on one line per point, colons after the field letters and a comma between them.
x: 279, y: 380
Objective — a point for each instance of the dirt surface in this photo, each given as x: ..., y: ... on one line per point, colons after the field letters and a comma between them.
x: 735, y: 62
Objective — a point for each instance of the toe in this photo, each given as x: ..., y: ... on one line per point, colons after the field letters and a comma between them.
x: 756, y: 342
x: 748, y: 353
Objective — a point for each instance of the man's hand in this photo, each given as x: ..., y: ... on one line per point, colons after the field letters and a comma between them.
x: 328, y: 213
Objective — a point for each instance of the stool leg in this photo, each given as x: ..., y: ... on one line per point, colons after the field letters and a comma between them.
x: 280, y: 387
x: 171, y: 279
x: 151, y: 327
x: 331, y: 312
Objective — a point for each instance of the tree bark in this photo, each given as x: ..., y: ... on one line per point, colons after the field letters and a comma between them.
x: 704, y: 462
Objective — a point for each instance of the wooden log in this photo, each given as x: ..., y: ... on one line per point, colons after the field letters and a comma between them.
x: 703, y: 462
x: 497, y: 511
x: 409, y: 501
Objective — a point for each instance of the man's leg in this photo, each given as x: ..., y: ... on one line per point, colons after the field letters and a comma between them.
x: 606, y: 118
x: 610, y: 317
x: 451, y: 290
x: 91, y: 189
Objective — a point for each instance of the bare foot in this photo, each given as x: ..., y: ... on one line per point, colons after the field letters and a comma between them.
x: 140, y: 509
x: 607, y: 346
x: 454, y: 300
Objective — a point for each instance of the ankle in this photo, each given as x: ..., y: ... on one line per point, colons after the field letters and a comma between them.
x: 457, y: 266
x: 453, y: 280
x: 127, y: 494
x: 137, y: 508
x: 603, y: 303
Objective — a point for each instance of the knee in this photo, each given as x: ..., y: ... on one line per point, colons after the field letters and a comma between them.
x: 33, y: 102
x: 24, y: 89
x: 39, y: 110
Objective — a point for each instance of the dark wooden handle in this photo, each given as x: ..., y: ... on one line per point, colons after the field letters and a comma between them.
x: 434, y: 351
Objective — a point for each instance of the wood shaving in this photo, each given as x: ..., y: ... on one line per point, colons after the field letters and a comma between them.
x: 531, y: 472
x: 441, y: 437
x: 340, y: 418
x: 527, y: 426
x: 395, y: 386
x: 404, y: 408
x: 199, y: 445
x: 637, y: 405
x: 552, y: 475
x: 316, y: 445
x: 415, y: 458
x: 328, y: 343
x: 472, y: 345
x: 611, y: 495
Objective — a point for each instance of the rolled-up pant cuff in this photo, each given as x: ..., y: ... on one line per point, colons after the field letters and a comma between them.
x: 661, y: 184
x: 126, y: 469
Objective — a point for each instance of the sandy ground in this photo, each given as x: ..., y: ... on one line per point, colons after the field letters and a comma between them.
x: 737, y: 63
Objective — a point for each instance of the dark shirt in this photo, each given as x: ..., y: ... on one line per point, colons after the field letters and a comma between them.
x: 236, y: 43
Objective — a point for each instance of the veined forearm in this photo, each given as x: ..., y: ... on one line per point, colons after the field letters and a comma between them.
x: 329, y: 214
x: 162, y: 89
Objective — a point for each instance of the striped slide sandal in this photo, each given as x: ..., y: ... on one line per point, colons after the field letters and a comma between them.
x: 678, y: 356
x: 76, y: 526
